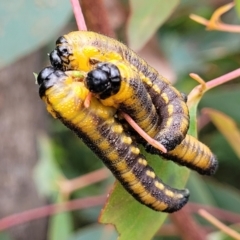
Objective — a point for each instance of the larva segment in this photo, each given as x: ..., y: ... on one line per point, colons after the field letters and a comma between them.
x: 192, y: 154
x: 130, y: 96
x: 82, y: 50
x: 173, y: 112
x: 100, y: 131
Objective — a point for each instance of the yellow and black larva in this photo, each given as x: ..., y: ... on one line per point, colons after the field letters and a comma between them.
x: 96, y: 126
x: 133, y: 98
x: 82, y: 50
x: 117, y: 85
x: 190, y: 153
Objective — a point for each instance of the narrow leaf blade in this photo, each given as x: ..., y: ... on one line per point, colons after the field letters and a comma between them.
x: 227, y: 126
x: 146, y: 17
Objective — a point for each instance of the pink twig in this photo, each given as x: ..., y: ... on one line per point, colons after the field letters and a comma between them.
x: 78, y: 15
x: 214, y: 221
x: 67, y: 186
x: 223, y: 79
x: 221, y: 214
x: 199, y: 90
x: 48, y: 210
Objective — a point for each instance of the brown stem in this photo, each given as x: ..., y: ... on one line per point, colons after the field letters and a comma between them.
x: 96, y: 17
x: 187, y: 227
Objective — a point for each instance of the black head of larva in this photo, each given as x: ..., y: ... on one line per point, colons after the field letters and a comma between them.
x: 55, y: 59
x: 59, y: 56
x: 61, y: 40
x: 47, y: 78
x: 104, y: 80
x: 44, y: 74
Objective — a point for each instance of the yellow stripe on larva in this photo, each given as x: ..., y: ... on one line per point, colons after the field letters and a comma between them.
x: 169, y: 193
x: 149, y: 199
x: 142, y: 161
x: 135, y: 150
x: 129, y: 177
x: 165, y: 98
x: 156, y: 89
x: 159, y: 185
x: 151, y: 174
x: 159, y: 205
x: 170, y: 109
x: 138, y: 188
x: 117, y: 129
x: 126, y: 140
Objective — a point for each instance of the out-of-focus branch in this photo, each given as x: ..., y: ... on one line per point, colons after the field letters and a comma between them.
x: 221, y: 214
x: 96, y: 17
x: 49, y: 210
x: 230, y: 232
x: 188, y: 229
x: 198, y: 91
x: 67, y: 186
x: 215, y: 22
x: 78, y: 15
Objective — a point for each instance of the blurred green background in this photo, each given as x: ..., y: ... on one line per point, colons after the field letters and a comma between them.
x: 36, y: 150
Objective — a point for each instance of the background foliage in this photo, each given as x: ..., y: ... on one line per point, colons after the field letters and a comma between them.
x: 163, y: 34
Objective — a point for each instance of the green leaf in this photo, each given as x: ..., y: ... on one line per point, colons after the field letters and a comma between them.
x: 237, y: 3
x: 46, y: 175
x: 5, y: 236
x: 146, y: 17
x: 222, y: 98
x: 60, y: 225
x: 95, y: 232
x: 226, y: 197
x: 28, y: 25
x: 214, y: 193
x: 46, y: 172
x: 227, y: 126
x: 205, y: 47
x: 200, y: 193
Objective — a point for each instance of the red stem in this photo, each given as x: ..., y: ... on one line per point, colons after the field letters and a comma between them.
x: 49, y: 210
x: 223, y: 79
x: 96, y: 17
x: 221, y: 214
x: 78, y: 15
x: 187, y: 227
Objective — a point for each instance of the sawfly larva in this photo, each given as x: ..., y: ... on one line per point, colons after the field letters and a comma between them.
x: 82, y: 50
x: 114, y: 85
x: 96, y: 125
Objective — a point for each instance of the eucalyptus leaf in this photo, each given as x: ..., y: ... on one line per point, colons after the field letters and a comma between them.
x: 27, y: 25
x: 146, y: 17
